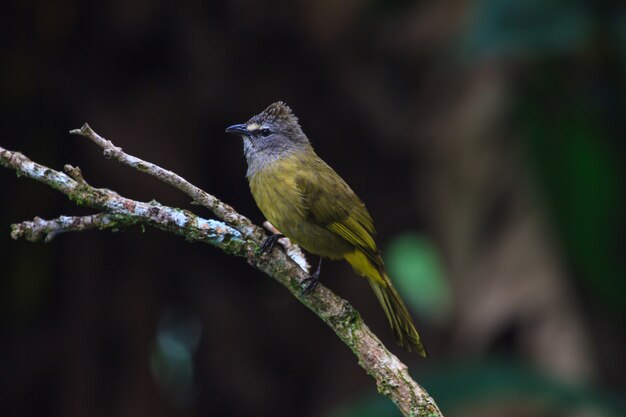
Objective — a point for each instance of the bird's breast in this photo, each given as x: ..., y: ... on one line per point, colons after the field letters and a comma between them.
x: 276, y: 192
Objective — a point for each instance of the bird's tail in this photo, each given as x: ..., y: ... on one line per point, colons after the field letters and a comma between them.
x: 397, y: 314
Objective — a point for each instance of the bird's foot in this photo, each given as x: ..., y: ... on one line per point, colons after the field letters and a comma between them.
x: 311, y: 283
x: 312, y: 280
x: 269, y: 242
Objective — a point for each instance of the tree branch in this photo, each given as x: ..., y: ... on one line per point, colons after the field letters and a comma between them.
x: 239, y: 237
x: 221, y: 210
x: 39, y: 229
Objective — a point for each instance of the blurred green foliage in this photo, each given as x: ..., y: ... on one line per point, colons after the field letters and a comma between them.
x: 512, y: 27
x: 579, y: 173
x: 569, y: 127
x: 461, y: 386
x: 171, y: 360
x: 415, y: 266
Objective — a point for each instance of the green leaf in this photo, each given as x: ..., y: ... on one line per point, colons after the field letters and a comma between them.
x: 415, y: 267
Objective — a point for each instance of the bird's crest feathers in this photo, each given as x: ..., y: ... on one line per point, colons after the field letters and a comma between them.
x: 277, y: 112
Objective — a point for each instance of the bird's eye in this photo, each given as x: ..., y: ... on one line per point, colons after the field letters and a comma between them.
x: 265, y: 132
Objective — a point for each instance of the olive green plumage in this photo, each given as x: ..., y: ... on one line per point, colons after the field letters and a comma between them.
x: 308, y: 201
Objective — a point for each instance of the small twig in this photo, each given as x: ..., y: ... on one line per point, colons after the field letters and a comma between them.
x: 221, y: 210
x: 39, y: 229
x: 391, y: 375
x: 75, y: 173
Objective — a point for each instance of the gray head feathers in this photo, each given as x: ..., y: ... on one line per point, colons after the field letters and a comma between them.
x: 272, y: 134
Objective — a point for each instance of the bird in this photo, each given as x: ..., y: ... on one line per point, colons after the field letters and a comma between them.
x: 308, y: 202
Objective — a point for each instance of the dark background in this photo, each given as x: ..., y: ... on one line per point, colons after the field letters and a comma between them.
x: 486, y: 138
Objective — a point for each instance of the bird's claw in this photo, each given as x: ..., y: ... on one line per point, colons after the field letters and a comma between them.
x: 310, y: 283
x: 312, y: 280
x: 269, y: 242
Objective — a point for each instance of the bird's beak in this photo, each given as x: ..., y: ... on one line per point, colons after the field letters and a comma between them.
x: 241, y: 129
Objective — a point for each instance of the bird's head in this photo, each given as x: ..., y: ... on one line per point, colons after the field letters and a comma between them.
x: 273, y: 132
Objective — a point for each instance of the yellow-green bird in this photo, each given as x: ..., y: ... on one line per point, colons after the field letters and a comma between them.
x: 308, y: 202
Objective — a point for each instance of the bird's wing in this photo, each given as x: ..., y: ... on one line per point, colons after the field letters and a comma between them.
x: 330, y: 202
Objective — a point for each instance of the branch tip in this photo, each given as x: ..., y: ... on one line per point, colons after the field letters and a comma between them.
x: 75, y: 173
x: 84, y: 130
